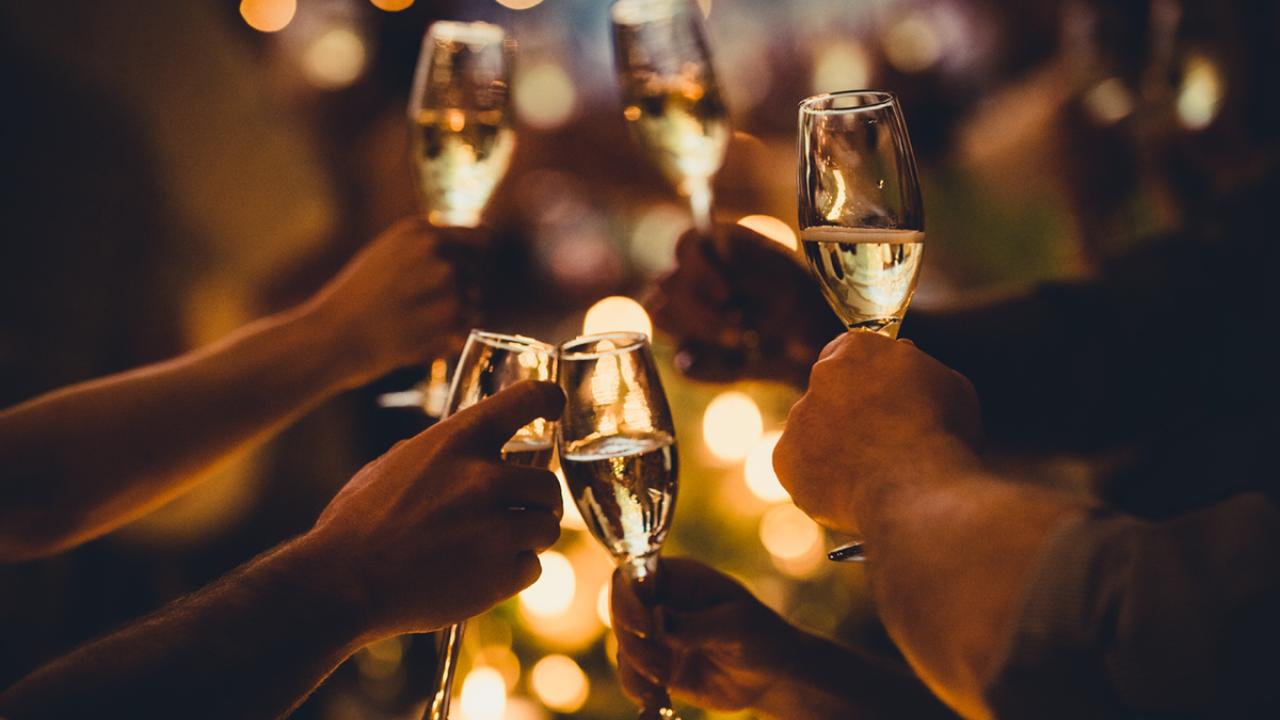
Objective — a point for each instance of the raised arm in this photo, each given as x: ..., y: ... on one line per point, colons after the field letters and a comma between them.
x: 1015, y: 600
x: 433, y: 532
x: 81, y: 461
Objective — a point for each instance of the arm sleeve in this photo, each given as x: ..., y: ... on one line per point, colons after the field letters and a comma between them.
x: 1126, y: 618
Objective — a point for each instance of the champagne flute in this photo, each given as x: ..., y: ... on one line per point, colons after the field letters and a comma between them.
x: 618, y: 451
x: 490, y: 363
x: 670, y: 96
x: 861, y: 216
x: 461, y: 140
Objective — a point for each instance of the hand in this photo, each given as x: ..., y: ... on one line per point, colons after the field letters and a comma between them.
x: 439, y: 529
x: 719, y: 649
x: 396, y: 303
x: 757, y: 314
x: 877, y: 412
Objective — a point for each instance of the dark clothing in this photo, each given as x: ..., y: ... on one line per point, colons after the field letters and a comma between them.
x: 1168, y: 605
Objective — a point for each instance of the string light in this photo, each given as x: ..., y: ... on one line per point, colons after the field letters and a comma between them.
x: 268, y: 15
x: 732, y: 425
x: 617, y: 314
x: 559, y: 683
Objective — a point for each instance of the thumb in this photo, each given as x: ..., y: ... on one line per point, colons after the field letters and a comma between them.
x: 489, y: 424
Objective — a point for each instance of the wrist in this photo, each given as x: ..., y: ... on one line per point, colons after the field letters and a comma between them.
x: 326, y: 342
x: 938, y: 461
x: 334, y: 595
x: 797, y: 683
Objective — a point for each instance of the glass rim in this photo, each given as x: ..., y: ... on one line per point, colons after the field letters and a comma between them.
x: 510, y: 342
x: 471, y: 33
x: 634, y: 341
x: 881, y: 100
x: 642, y: 12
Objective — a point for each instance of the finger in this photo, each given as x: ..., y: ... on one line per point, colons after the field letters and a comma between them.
x: 630, y: 615
x: 643, y: 691
x: 489, y: 424
x: 527, y: 487
x: 534, y: 530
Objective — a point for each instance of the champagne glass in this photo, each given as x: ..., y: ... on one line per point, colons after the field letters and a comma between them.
x: 461, y: 140
x: 861, y: 216
x: 618, y: 452
x: 490, y: 363
x: 670, y: 96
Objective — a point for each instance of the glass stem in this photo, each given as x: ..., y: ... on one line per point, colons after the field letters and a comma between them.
x: 646, y: 580
x: 449, y: 650
x: 700, y: 199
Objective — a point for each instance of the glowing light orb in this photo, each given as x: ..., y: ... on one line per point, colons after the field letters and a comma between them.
x: 1200, y: 95
x: 268, y: 15
x: 617, y: 314
x: 602, y: 605
x: 789, y: 534
x: 552, y: 593
x: 484, y: 695
x: 841, y: 66
x: 334, y: 59
x: 544, y: 95
x: 772, y: 228
x: 559, y: 683
x: 392, y: 5
x: 762, y: 481
x: 732, y: 425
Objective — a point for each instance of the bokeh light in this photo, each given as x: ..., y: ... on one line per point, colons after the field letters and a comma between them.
x: 335, y: 58
x: 381, y: 659
x: 842, y: 65
x: 1200, y: 95
x: 544, y: 95
x: 732, y: 425
x: 552, y: 594
x: 602, y: 605
x: 1109, y: 101
x: 772, y: 228
x: 484, y: 695
x: 503, y: 659
x: 912, y: 44
x: 268, y: 15
x: 762, y: 481
x: 572, y: 518
x: 617, y: 314
x: 392, y: 5
x: 794, y: 540
x: 519, y: 4
x: 559, y: 683
x: 655, y: 235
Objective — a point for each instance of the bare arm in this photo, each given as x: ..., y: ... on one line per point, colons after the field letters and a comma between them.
x: 256, y: 643
x: 86, y: 459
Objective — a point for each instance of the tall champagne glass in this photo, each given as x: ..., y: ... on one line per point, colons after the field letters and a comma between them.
x: 461, y: 139
x: 618, y: 452
x: 670, y: 96
x: 861, y: 216
x: 490, y: 363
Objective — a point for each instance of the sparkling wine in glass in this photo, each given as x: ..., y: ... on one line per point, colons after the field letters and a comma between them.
x: 461, y: 134
x: 618, y: 452
x: 490, y: 363
x: 461, y: 139
x: 670, y: 97
x: 861, y: 216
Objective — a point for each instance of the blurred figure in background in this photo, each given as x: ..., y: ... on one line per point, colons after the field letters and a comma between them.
x: 1009, y: 597
x: 253, y: 645
x: 82, y: 461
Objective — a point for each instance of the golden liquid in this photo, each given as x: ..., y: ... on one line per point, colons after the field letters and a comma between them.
x: 528, y: 453
x: 868, y: 276
x: 683, y: 127
x: 625, y: 488
x: 460, y: 157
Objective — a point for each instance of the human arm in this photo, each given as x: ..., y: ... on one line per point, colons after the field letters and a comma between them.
x: 719, y: 648
x: 83, y: 460
x: 433, y: 532
x: 1001, y: 592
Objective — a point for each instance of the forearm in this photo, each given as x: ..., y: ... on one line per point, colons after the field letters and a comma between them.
x: 251, y: 646
x: 949, y: 562
x: 86, y: 459
x: 824, y: 681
